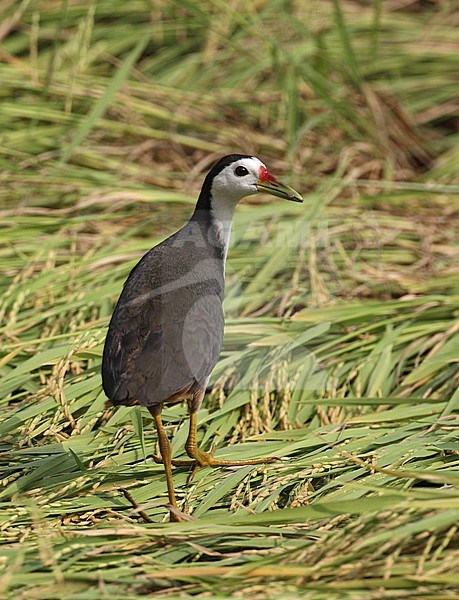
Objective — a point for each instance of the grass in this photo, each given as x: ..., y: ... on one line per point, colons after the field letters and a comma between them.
x: 341, y: 344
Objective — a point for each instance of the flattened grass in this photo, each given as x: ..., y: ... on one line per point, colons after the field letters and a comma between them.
x: 341, y: 345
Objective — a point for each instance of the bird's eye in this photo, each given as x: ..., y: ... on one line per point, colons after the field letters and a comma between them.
x: 241, y: 171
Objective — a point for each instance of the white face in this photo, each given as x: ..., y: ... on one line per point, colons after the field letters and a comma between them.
x: 237, y: 180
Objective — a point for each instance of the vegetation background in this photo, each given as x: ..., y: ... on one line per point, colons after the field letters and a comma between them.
x: 341, y: 348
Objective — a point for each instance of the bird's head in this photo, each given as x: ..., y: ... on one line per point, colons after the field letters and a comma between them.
x: 238, y: 175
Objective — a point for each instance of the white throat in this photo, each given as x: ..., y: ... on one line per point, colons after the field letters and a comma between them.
x: 222, y: 212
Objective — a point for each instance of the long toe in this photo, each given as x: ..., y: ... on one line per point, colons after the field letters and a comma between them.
x: 175, y: 518
x: 174, y: 462
x: 215, y: 462
x: 207, y: 459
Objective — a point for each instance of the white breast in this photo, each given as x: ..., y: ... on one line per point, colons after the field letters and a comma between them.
x: 222, y: 212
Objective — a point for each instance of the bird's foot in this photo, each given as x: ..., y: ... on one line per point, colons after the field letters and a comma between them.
x: 206, y: 459
x: 135, y: 505
x: 174, y: 462
x: 175, y: 518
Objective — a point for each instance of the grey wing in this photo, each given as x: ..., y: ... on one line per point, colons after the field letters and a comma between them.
x: 134, y: 333
x: 203, y: 336
x: 161, y: 346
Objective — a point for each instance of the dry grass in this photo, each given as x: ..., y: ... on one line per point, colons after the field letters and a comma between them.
x: 342, y: 339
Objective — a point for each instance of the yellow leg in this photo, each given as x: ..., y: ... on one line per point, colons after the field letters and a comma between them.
x: 206, y: 459
x: 166, y: 455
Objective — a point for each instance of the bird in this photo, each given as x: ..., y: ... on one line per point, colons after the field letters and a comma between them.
x: 166, y: 331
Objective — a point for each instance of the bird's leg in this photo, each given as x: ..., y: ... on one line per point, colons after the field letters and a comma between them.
x: 166, y: 455
x: 206, y: 459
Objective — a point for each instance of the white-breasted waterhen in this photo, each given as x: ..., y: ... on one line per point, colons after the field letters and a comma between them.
x: 166, y: 331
